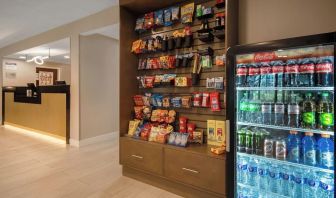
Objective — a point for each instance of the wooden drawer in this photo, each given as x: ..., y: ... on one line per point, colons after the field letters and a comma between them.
x: 197, y: 170
x: 141, y: 155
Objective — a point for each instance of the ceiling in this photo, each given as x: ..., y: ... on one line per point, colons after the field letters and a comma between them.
x: 58, y: 52
x: 21, y: 19
x: 111, y: 31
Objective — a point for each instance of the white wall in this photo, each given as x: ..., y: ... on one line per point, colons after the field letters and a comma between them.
x: 99, y: 86
x: 26, y: 72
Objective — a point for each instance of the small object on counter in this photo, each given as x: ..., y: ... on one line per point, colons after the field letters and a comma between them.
x: 178, y: 139
x: 172, y: 137
x: 205, y: 99
x: 168, y: 17
x: 153, y: 134
x: 183, y: 124
x: 186, y: 101
x: 197, y: 99
x: 144, y: 134
x: 162, y: 137
x: 190, y: 129
x: 197, y: 136
x: 214, y: 101
x: 132, y: 126
x: 220, y: 132
x: 219, y: 150
x: 219, y: 83
x: 158, y: 18
x: 166, y: 102
x: 175, y: 13
x: 137, y: 132
x: 187, y: 13
x: 211, y: 131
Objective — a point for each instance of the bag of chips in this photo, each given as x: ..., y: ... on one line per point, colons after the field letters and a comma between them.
x: 144, y: 135
x: 149, y: 20
x: 147, y: 112
x: 132, y: 126
x: 153, y: 134
x: 187, y: 13
x: 146, y: 99
x: 214, y: 101
x: 175, y: 13
x: 159, y: 100
x: 186, y: 101
x: 141, y: 81
x: 138, y: 100
x: 136, y: 46
x: 168, y: 17
x: 171, y: 116
x: 158, y: 18
x: 205, y: 99
x: 210, y: 83
x: 183, y: 124
x: 197, y: 99
x: 149, y: 81
x: 166, y: 102
x: 219, y: 83
x: 176, y: 102
x: 138, y: 113
x: 139, y: 26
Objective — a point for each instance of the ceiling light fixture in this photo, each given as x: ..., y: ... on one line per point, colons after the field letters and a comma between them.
x: 37, y: 59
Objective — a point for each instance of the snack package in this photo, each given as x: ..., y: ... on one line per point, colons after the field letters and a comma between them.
x: 158, y: 18
x: 205, y: 99
x: 138, y: 100
x: 164, y: 62
x: 186, y: 101
x: 219, y: 83
x: 136, y: 46
x: 153, y: 100
x: 149, y: 81
x: 211, y: 130
x: 139, y: 26
x: 197, y: 136
x: 190, y: 129
x: 176, y: 102
x: 158, y: 79
x: 187, y: 13
x: 171, y: 62
x: 184, y: 139
x: 153, y: 134
x: 163, y: 116
x: 138, y: 112
x: 159, y: 100
x: 206, y: 61
x: 172, y: 137
x: 137, y: 132
x: 168, y: 17
x: 141, y: 81
x: 158, y: 43
x: 197, y: 99
x: 162, y: 137
x: 220, y: 133
x: 220, y: 60
x: 146, y: 99
x: 144, y: 134
x: 166, y: 102
x: 183, y: 124
x: 147, y: 112
x: 210, y: 83
x: 214, y: 101
x: 132, y: 126
x: 142, y: 64
x: 149, y: 20
x: 182, y: 81
x: 175, y: 13
x: 219, y: 150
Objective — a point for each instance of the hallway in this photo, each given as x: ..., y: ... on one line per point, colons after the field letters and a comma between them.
x: 31, y: 167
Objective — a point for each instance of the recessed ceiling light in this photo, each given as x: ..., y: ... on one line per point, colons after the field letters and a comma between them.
x: 22, y: 57
x: 66, y: 57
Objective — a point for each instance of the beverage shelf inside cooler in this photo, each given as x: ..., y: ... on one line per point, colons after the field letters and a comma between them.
x: 287, y: 163
x: 286, y: 128
x: 265, y: 192
x: 285, y: 88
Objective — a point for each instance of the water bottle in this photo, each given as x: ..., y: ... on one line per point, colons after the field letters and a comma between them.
x: 326, y: 152
x: 326, y: 185
x: 310, y: 185
x: 285, y: 182
x: 242, y: 170
x: 262, y: 175
x: 309, y: 150
x: 297, y: 183
x: 294, y: 147
x: 252, y: 172
x: 273, y: 178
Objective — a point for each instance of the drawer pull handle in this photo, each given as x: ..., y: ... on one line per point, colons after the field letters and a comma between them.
x: 190, y: 170
x: 137, y: 156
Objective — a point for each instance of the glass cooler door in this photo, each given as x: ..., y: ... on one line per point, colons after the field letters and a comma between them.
x: 285, y: 123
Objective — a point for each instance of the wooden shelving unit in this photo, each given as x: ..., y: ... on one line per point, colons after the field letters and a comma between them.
x: 153, y: 162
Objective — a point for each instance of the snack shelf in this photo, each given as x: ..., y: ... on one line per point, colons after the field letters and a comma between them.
x: 287, y: 163
x: 285, y: 88
x: 261, y: 191
x: 286, y: 128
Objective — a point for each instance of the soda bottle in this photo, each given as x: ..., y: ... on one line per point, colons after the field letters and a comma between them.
x: 309, y: 149
x: 293, y: 112
x: 325, y: 71
x: 273, y: 178
x: 262, y: 175
x: 285, y: 182
x: 279, y: 110
x: 266, y: 112
x: 310, y: 185
x: 307, y: 72
x: 243, y: 108
x: 294, y: 147
x: 297, y: 183
x: 291, y: 73
x: 325, y: 110
x: 280, y: 149
x: 253, y: 75
x: 241, y: 144
x: 309, y: 112
x: 249, y: 142
x: 252, y: 172
x: 254, y: 110
x: 266, y: 76
x: 326, y: 152
x: 278, y: 70
x: 326, y: 187
x: 241, y: 73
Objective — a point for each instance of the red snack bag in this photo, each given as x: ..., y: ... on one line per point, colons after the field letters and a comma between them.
x: 149, y: 20
x: 191, y: 129
x: 214, y: 101
x: 171, y: 62
x: 155, y: 63
x: 138, y: 111
x: 205, y: 99
x: 144, y: 134
x: 197, y: 99
x: 149, y: 81
x: 138, y: 100
x: 183, y: 124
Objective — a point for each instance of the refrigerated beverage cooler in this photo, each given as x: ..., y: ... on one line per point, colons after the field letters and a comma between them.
x: 282, y: 117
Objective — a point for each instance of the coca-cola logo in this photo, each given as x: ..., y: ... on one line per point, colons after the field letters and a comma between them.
x: 307, y: 68
x: 290, y: 69
x: 265, y: 56
x: 254, y: 71
x: 324, y: 68
x: 278, y: 69
x: 266, y: 70
x: 242, y: 71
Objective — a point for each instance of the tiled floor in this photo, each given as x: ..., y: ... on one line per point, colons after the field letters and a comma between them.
x: 35, y: 168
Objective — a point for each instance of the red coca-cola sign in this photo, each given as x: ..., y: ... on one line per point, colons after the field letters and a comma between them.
x: 307, y: 68
x: 324, y: 68
x: 242, y: 71
x: 290, y: 69
x: 265, y: 70
x: 264, y: 56
x: 278, y: 69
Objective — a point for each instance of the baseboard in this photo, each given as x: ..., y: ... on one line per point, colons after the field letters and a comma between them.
x: 105, y: 137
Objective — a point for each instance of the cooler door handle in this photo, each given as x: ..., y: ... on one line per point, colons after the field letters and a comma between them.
x: 227, y: 138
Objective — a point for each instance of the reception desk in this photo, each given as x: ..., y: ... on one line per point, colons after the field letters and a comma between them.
x: 46, y: 112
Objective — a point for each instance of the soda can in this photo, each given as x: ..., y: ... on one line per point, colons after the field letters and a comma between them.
x: 249, y: 142
x: 269, y: 147
x: 241, y: 144
x: 259, y: 142
x: 281, y: 149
